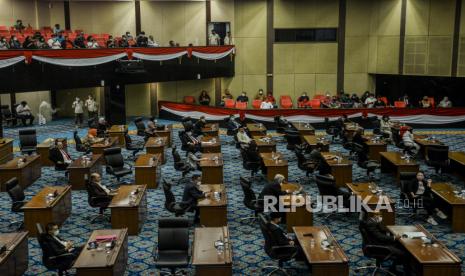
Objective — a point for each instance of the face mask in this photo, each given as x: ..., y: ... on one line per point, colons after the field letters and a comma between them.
x: 56, y: 232
x: 15, y: 39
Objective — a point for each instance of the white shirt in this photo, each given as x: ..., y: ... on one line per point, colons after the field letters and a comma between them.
x: 407, y: 138
x: 77, y: 105
x: 91, y: 105
x: 103, y: 187
x: 213, y: 39
x: 26, y: 110
x: 266, y: 105
x: 370, y: 101
x: 242, y: 137
x: 227, y: 40
x: 421, y: 189
x: 151, y: 43
x: 3, y: 45
x: 92, y: 45
x: 56, y: 44
x: 444, y: 103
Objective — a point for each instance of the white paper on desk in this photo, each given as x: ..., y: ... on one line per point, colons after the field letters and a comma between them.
x: 414, y: 235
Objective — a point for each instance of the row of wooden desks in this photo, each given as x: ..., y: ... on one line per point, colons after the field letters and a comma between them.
x: 212, y: 168
x: 313, y: 141
x: 15, y: 260
x: 395, y: 163
x: 211, y: 129
x: 274, y: 164
x: 341, y: 167
x: 304, y: 128
x: 265, y: 143
x: 26, y: 172
x: 157, y: 145
x: 375, y: 147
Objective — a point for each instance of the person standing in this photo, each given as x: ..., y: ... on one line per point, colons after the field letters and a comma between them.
x: 228, y: 39
x: 214, y: 39
x: 92, y: 107
x: 78, y: 112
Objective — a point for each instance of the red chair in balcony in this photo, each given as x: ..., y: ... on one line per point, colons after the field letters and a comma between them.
x: 385, y: 100
x: 256, y: 104
x: 229, y: 103
x: 319, y: 97
x: 315, y: 103
x: 400, y: 104
x: 189, y: 100
x: 241, y: 105
x: 285, y: 101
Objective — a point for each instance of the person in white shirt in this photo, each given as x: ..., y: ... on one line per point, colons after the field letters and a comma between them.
x: 227, y: 39
x: 242, y: 136
x: 445, y: 103
x: 23, y: 112
x: 92, y: 107
x: 92, y: 43
x: 78, y: 112
x: 408, y: 141
x: 370, y: 101
x: 3, y: 43
x: 214, y: 39
x: 53, y: 42
x: 151, y: 42
x: 266, y: 105
x: 57, y: 29
x: 385, y: 126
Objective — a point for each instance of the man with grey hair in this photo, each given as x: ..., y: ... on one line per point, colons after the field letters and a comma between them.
x: 273, y: 190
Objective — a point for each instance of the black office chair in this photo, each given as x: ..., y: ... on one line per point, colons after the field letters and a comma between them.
x: 172, y: 251
x: 250, y: 199
x: 9, y: 118
x: 132, y: 146
x: 185, y: 146
x: 437, y: 156
x: 331, y: 129
x: 280, y: 128
x: 97, y: 201
x: 80, y: 147
x: 115, y: 163
x: 140, y: 125
x: 178, y: 209
x: 62, y: 262
x: 28, y: 141
x: 187, y: 124
x: 16, y: 193
x: 179, y: 164
x: 363, y: 162
x: 282, y: 254
x: 308, y: 166
x: 252, y: 165
x: 327, y: 187
x: 293, y: 138
x: 230, y: 131
x: 380, y: 253
x: 406, y: 201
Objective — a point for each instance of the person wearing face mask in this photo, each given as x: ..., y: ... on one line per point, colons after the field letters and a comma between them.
x: 419, y: 190
x: 242, y: 137
x: 378, y: 234
x: 243, y: 98
x: 78, y: 112
x: 192, y: 194
x: 58, y: 246
x: 386, y: 125
x: 59, y: 156
x: 189, y: 138
x: 14, y: 43
x: 260, y: 96
x: 3, y: 43
x: 199, y: 125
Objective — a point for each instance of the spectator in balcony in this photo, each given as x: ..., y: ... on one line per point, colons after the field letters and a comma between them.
x: 19, y: 26
x: 124, y: 43
x: 370, y: 101
x: 243, y: 98
x: 57, y: 29
x: 67, y: 43
x: 445, y: 103
x: 266, y: 104
x: 260, y: 96
x: 364, y: 96
x: 142, y: 40
x: 425, y: 102
x: 110, y: 42
x: 129, y: 36
x: 303, y: 98
x: 79, y: 42
x: 334, y: 102
x: 37, y: 35
x: 172, y: 44
x: 14, y: 43
x: 406, y: 100
x: 227, y: 39
x: 151, y: 42
x: 29, y: 43
x: 227, y: 94
x: 270, y: 98
x: 213, y: 39
x: 92, y: 43
x: 379, y: 103
x: 3, y: 43
x: 204, y: 99
x: 60, y: 37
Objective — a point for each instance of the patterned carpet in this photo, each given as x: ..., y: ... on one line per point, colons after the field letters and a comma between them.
x: 247, y: 240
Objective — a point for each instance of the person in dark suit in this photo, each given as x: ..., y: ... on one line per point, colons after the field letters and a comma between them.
x: 419, y: 189
x: 199, y: 125
x: 252, y: 152
x: 378, y: 234
x: 233, y: 125
x: 278, y: 234
x: 56, y: 245
x: 318, y: 158
x: 272, y: 189
x: 243, y: 98
x: 192, y: 194
x: 59, y: 156
x: 358, y: 138
x: 189, y: 139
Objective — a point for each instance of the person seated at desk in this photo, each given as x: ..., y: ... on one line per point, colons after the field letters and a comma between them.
x: 266, y: 104
x: 233, y: 125
x: 199, y: 125
x: 91, y: 138
x: 192, y: 194
x: 425, y: 102
x: 386, y: 125
x: 24, y: 113
x: 420, y: 188
x: 260, y: 96
x: 272, y: 190
x: 407, y: 139
x: 277, y: 232
x: 190, y: 140
x: 59, y: 156
x: 318, y: 158
x: 242, y: 137
x: 378, y: 234
x: 150, y: 129
x: 204, y: 99
x: 99, y: 188
x: 57, y: 245
x: 194, y: 162
x: 102, y: 127
x: 358, y: 137
x: 252, y: 152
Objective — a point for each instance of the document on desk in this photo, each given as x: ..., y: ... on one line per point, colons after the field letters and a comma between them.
x: 414, y: 235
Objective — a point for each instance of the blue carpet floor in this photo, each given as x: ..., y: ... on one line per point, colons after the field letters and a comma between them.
x: 247, y: 239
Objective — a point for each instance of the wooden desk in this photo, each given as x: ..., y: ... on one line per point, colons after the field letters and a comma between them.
x: 427, y: 260
x: 117, y: 132
x: 455, y: 204
x: 210, y: 144
x: 365, y: 190
x: 457, y: 162
x: 43, y: 149
x: 312, y: 141
x: 129, y: 208
x: 375, y: 147
x: 274, y: 167
x: 324, y: 262
x: 168, y: 133
x: 341, y: 170
x: 256, y: 129
x: 213, y: 211
x: 42, y: 210
x: 265, y: 143
x: 6, y: 150
x: 79, y: 171
x: 350, y: 129
x: 304, y: 128
x: 147, y: 174
x: 94, y: 262
x: 15, y: 260
x: 211, y: 129
x: 98, y: 148
x: 212, y: 171
x: 425, y: 142
x: 27, y: 174
x: 392, y: 162
x: 300, y: 216
x: 156, y: 145
x: 205, y: 257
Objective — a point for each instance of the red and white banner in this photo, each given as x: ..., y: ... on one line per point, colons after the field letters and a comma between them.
x: 91, y: 57
x: 404, y: 115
